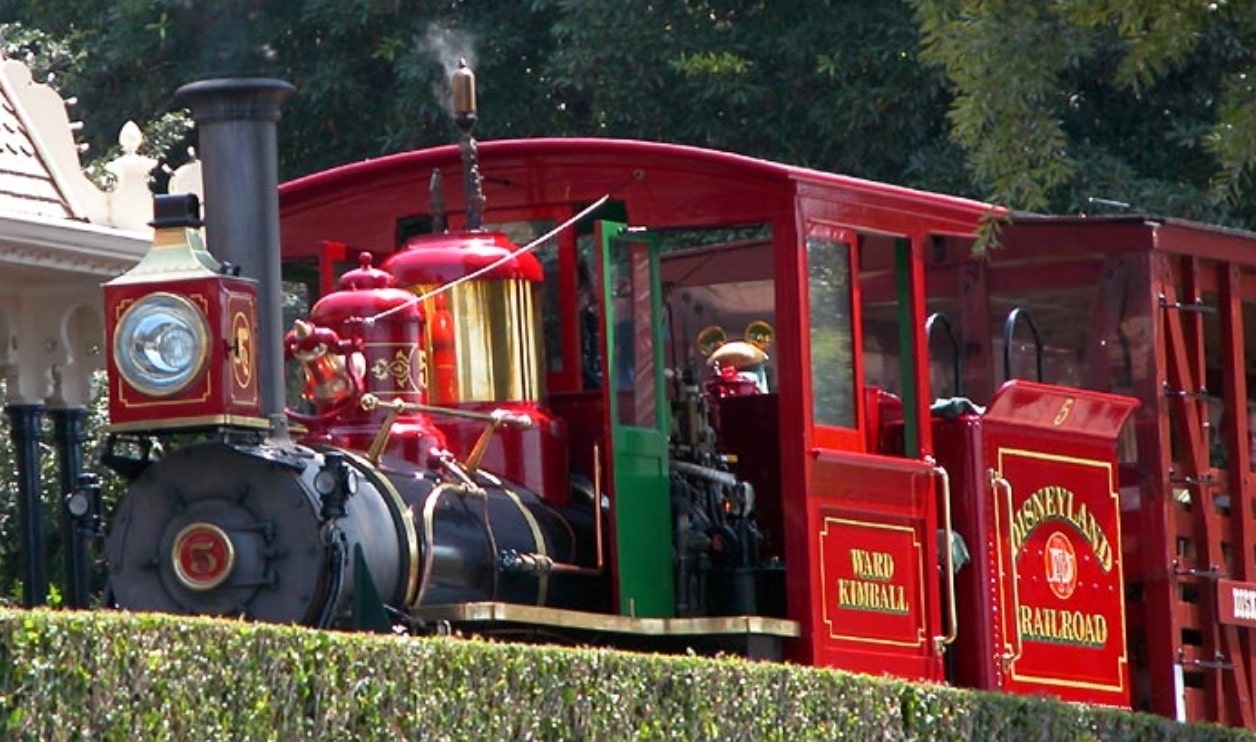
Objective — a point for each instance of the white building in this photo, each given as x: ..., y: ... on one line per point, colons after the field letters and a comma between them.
x: 61, y: 237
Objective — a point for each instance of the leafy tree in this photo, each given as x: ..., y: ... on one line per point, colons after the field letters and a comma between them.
x: 832, y: 85
x: 835, y: 85
x: 369, y: 72
x: 1049, y: 103
x: 1144, y: 103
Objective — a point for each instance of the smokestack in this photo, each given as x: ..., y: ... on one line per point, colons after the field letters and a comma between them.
x: 235, y: 123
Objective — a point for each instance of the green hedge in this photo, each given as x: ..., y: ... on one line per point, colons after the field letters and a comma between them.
x: 140, y: 677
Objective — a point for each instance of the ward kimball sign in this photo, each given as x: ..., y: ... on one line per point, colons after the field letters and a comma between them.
x: 872, y: 577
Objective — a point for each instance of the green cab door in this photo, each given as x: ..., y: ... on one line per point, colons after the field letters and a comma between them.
x: 638, y: 420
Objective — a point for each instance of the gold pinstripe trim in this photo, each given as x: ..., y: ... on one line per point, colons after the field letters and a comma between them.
x: 542, y: 592
x: 402, y: 513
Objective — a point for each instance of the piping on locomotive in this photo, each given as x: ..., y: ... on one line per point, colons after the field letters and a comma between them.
x: 746, y: 441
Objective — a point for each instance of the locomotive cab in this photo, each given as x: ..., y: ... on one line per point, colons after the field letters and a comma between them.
x: 756, y: 443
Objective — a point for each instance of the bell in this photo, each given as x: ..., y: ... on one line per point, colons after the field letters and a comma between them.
x: 327, y: 378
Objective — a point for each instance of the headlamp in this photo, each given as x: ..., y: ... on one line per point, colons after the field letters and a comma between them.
x: 161, y: 344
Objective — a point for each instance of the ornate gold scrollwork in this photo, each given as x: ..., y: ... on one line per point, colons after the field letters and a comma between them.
x: 399, y: 369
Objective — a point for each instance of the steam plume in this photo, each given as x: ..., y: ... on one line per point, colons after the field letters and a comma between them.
x: 446, y: 46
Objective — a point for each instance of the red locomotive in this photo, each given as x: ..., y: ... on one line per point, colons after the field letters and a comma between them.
x: 784, y: 412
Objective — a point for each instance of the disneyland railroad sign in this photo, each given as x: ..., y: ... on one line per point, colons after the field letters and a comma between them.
x: 1060, y: 585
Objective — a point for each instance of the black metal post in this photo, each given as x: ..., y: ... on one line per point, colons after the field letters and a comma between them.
x: 69, y: 434
x: 25, y: 422
x: 235, y: 123
x: 471, y: 176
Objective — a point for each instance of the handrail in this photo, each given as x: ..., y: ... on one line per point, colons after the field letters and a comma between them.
x: 1009, y: 330
x: 597, y: 507
x: 940, y: 642
x: 997, y: 481
x: 940, y: 318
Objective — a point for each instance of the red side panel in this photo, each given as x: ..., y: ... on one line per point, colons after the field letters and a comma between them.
x: 872, y: 537
x: 1042, y: 606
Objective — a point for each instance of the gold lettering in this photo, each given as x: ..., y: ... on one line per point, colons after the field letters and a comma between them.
x: 1062, y: 415
x: 1062, y: 627
x: 1058, y: 503
x: 873, y: 596
x: 1066, y: 626
x: 872, y: 565
x: 858, y: 560
x: 884, y: 564
x: 202, y: 561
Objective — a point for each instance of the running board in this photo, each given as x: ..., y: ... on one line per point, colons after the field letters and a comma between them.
x: 758, y: 637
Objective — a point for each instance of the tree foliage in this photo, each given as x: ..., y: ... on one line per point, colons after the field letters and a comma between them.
x: 1036, y: 105
x: 369, y: 72
x: 1141, y: 102
x: 832, y: 84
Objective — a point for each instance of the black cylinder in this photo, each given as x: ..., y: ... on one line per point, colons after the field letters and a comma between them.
x: 25, y: 428
x: 69, y: 434
x: 235, y: 122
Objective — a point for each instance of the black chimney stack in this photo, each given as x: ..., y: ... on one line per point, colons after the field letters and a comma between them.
x: 235, y: 122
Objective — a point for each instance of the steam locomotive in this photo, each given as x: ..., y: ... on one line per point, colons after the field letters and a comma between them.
x: 428, y: 472
x: 772, y: 419
x: 282, y: 531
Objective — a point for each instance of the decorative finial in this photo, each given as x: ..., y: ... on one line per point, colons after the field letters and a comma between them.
x: 130, y: 137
